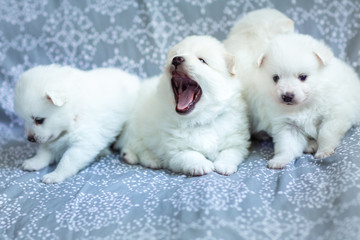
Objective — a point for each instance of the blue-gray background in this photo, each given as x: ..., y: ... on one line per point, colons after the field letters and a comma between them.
x: 309, y: 199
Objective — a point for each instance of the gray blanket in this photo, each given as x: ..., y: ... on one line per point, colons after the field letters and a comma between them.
x: 309, y: 199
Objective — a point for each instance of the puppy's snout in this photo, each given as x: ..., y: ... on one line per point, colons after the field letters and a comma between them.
x: 288, y: 97
x: 31, y: 138
x: 177, y: 61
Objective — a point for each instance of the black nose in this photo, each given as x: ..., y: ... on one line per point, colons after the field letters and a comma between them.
x: 177, y: 61
x: 31, y: 138
x: 287, y: 97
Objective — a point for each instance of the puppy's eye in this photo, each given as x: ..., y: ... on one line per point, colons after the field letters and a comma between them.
x: 276, y: 78
x: 39, y: 121
x: 202, y: 60
x: 302, y: 77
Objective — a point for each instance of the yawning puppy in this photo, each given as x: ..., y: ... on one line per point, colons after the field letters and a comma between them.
x: 308, y: 98
x: 191, y: 119
x: 72, y: 114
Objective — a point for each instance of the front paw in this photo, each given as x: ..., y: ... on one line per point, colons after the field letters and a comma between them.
x: 191, y: 163
x: 311, y: 147
x: 278, y: 163
x: 150, y: 162
x: 53, y: 177
x: 324, y: 153
x: 130, y: 157
x: 33, y: 164
x: 198, y: 167
x: 225, y: 168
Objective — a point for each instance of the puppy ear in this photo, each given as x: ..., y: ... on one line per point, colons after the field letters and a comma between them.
x: 323, y: 53
x: 230, y: 63
x: 55, y: 98
x: 260, y: 60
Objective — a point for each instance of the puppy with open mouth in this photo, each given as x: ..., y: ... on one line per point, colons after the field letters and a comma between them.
x: 72, y: 114
x: 191, y: 119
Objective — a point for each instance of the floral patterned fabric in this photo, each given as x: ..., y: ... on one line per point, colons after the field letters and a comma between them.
x: 309, y: 199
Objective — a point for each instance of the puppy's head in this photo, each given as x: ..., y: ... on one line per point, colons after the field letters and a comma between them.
x: 199, y: 73
x: 39, y: 102
x: 291, y: 68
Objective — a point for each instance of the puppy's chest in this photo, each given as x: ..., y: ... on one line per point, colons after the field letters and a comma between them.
x: 307, y: 124
x: 59, y: 147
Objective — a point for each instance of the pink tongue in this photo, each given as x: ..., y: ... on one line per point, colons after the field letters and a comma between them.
x: 185, y: 98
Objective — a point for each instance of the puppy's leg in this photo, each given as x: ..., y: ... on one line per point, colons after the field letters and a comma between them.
x: 43, y: 158
x: 191, y: 163
x: 289, y: 144
x: 129, y: 155
x: 330, y: 135
x: 74, y: 159
x: 128, y: 145
x: 311, y: 147
x: 147, y: 159
x: 228, y: 160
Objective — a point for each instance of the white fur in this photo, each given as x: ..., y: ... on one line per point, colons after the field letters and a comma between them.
x: 252, y: 33
x: 84, y: 112
x: 248, y: 40
x: 214, y: 136
x: 324, y: 106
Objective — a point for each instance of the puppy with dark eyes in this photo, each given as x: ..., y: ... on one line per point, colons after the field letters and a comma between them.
x: 309, y: 98
x: 192, y: 118
x: 247, y: 40
x: 72, y: 114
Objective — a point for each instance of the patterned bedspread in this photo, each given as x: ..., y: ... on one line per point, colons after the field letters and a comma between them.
x: 309, y: 199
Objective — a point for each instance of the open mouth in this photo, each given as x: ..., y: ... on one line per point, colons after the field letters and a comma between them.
x: 187, y: 92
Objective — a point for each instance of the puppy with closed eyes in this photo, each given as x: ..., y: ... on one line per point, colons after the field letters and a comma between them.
x: 191, y: 119
x: 72, y: 114
x: 309, y: 98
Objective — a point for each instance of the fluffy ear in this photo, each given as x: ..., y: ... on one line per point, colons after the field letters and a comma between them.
x: 55, y: 98
x: 260, y: 60
x: 230, y: 63
x: 323, y: 53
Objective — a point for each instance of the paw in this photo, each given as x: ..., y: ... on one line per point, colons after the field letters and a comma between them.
x: 191, y: 163
x: 324, y: 154
x: 150, y: 162
x: 130, y: 157
x: 53, y: 177
x: 278, y: 163
x: 225, y: 168
x: 198, y: 168
x: 311, y: 147
x: 33, y: 164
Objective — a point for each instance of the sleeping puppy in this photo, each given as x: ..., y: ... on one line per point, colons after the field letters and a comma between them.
x: 247, y: 40
x: 309, y: 98
x: 191, y: 119
x: 72, y: 114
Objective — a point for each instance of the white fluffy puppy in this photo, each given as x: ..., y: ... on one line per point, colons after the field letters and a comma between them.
x: 309, y: 99
x: 191, y: 119
x: 247, y: 40
x: 72, y: 114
